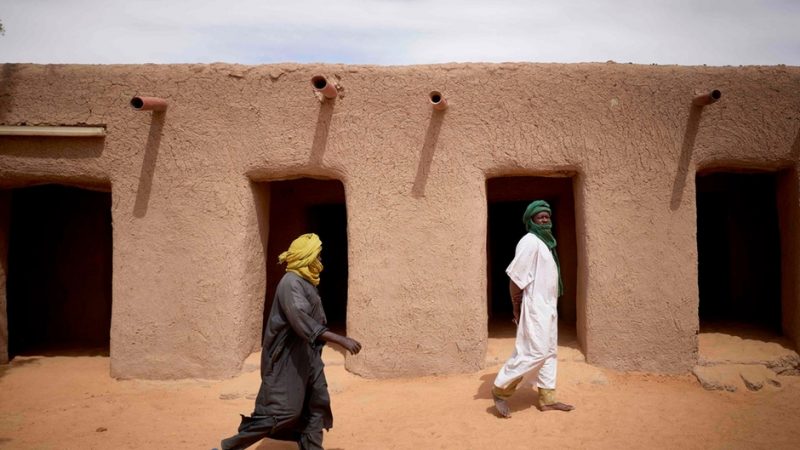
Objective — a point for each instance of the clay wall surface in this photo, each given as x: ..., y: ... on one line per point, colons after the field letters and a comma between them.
x: 188, y: 224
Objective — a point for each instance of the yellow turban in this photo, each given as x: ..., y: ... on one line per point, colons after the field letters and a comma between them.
x: 302, y: 257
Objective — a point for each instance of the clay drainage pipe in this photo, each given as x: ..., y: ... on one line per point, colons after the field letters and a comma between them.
x: 148, y: 104
x: 707, y: 99
x: 438, y: 101
x: 322, y: 86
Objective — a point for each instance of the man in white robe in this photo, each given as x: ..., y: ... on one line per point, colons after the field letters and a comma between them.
x: 535, y: 287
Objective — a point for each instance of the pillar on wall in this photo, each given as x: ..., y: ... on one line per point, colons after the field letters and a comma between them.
x: 636, y: 318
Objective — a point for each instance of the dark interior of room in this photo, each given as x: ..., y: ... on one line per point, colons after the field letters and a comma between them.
x: 739, y: 252
x: 507, y: 199
x: 59, y: 271
x: 308, y: 205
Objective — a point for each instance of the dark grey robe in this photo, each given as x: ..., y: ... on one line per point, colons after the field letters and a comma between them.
x: 293, y: 402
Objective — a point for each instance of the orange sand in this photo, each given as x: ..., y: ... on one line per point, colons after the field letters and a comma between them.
x: 72, y: 403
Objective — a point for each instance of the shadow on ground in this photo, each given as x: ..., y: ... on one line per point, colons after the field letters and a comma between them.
x: 525, y: 398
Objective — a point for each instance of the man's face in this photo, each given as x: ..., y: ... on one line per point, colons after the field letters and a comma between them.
x: 541, y: 218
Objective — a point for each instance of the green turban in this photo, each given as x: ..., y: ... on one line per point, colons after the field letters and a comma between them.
x: 543, y: 232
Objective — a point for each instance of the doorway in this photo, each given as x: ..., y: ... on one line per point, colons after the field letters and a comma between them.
x: 507, y: 198
x: 739, y: 252
x: 59, y: 267
x: 307, y: 205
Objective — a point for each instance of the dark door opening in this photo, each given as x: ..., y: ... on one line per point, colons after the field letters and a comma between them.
x: 311, y: 206
x: 59, y: 271
x: 507, y: 199
x: 739, y: 254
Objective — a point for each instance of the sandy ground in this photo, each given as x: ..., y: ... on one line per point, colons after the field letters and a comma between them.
x: 71, y: 403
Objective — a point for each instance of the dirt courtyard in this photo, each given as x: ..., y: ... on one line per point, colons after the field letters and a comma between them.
x: 70, y: 402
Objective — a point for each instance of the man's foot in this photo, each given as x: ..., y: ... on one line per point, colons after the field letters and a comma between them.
x: 502, y: 407
x: 558, y: 406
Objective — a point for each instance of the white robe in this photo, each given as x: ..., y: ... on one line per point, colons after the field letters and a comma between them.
x: 534, y: 270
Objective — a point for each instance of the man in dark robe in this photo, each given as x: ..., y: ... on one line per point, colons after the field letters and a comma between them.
x: 293, y: 402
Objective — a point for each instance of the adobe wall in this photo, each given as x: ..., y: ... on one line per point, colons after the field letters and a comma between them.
x: 188, y: 265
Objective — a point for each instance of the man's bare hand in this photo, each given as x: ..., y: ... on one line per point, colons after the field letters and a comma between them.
x: 516, y: 299
x: 351, y: 345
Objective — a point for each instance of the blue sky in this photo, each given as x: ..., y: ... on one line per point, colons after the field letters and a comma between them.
x: 401, y: 32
